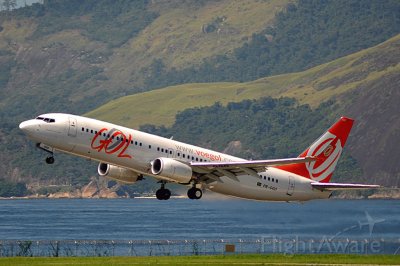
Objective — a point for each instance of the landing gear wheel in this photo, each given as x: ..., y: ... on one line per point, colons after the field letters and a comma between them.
x: 50, y: 160
x: 163, y: 194
x: 167, y: 194
x: 194, y: 193
x: 159, y: 194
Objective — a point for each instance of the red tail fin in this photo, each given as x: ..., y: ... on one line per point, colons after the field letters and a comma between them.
x: 327, y: 149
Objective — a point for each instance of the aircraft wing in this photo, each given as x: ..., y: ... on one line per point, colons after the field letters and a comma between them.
x: 341, y: 186
x: 214, y: 170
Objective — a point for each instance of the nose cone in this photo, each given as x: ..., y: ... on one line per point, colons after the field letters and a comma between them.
x: 23, y: 125
x: 28, y: 127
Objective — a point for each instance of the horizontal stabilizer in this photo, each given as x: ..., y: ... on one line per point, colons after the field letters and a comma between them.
x: 341, y: 186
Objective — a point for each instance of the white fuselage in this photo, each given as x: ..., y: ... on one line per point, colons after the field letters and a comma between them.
x: 136, y: 150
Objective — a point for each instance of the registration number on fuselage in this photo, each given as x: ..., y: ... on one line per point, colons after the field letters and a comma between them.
x: 266, y: 186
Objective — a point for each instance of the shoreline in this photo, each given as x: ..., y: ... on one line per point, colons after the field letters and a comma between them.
x: 340, y: 197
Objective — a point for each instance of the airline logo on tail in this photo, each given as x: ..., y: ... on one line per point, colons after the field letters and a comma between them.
x: 327, y: 150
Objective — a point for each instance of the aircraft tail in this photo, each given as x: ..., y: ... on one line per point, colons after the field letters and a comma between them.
x: 327, y: 149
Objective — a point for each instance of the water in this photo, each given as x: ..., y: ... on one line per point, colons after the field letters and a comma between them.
x: 148, y: 219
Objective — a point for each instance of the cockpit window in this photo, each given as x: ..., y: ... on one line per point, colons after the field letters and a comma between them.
x: 46, y: 119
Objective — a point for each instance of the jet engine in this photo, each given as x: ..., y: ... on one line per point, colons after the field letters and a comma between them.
x: 118, y: 173
x: 172, y: 169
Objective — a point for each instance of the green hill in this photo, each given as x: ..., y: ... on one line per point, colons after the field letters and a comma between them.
x: 313, y: 86
x: 76, y: 55
x: 306, y: 34
x: 90, y: 51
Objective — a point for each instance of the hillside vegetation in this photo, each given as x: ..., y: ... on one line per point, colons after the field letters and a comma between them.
x: 258, y: 129
x: 307, y: 34
x: 313, y: 86
x: 74, y: 56
x: 92, y: 51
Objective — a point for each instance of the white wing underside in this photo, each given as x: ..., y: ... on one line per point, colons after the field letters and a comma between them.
x: 213, y: 170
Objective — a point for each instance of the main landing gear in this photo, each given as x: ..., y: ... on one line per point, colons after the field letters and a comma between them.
x: 194, y: 193
x: 163, y: 193
x: 50, y: 158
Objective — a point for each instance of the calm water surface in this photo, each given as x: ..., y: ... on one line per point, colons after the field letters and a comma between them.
x: 136, y: 219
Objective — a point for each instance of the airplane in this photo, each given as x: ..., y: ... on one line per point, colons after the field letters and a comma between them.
x: 126, y: 155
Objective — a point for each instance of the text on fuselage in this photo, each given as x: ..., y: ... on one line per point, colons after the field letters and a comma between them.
x: 115, y: 142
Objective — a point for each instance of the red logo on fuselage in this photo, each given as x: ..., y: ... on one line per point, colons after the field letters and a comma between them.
x: 115, y: 142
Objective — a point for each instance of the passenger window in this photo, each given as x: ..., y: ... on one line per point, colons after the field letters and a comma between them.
x: 158, y: 148
x: 140, y: 144
x: 83, y: 129
x: 149, y: 146
x: 91, y: 131
x: 269, y: 178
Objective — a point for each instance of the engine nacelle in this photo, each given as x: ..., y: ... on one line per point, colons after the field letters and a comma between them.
x: 172, y: 169
x: 118, y: 173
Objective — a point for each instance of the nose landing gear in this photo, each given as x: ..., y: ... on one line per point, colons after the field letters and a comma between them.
x: 49, y: 159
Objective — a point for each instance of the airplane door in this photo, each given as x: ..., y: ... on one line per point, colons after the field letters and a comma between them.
x: 72, y: 127
x: 291, y: 186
